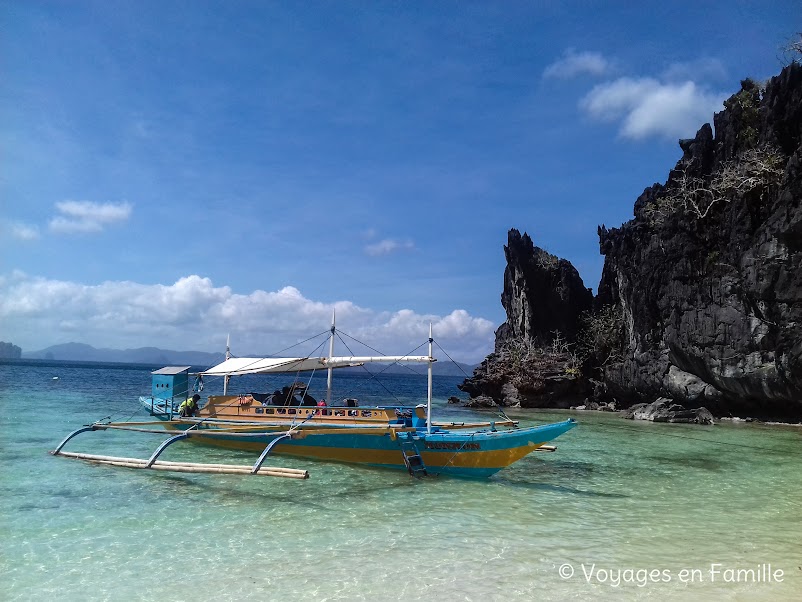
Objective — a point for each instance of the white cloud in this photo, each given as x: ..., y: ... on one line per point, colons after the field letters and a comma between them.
x: 193, y: 314
x: 647, y: 107
x: 22, y: 231
x: 86, y: 216
x: 705, y: 68
x: 573, y: 63
x: 387, y: 246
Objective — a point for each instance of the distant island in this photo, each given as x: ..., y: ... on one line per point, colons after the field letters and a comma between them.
x: 81, y: 352
x: 9, y: 351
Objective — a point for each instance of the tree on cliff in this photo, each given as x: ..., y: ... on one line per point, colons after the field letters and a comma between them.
x: 754, y: 170
x: 794, y: 48
x: 601, y: 340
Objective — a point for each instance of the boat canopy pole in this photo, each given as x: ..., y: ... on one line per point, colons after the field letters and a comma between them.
x: 429, y: 397
x: 331, y: 354
x: 228, y: 357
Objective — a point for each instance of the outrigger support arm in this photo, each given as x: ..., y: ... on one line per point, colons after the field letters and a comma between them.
x: 91, y: 427
x: 268, y: 449
x: 163, y: 446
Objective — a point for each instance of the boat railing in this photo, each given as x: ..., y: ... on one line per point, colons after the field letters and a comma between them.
x: 160, y: 406
x: 245, y: 405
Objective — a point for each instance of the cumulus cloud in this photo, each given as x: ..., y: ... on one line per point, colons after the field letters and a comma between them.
x: 387, y: 246
x: 647, y: 107
x: 705, y: 68
x: 573, y: 64
x: 86, y: 216
x: 22, y: 231
x: 193, y: 314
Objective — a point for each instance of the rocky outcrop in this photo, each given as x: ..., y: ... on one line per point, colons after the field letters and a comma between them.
x: 665, y: 410
x: 708, y: 275
x: 9, y: 351
x: 543, y: 294
x: 530, y: 378
x: 700, y: 301
x: 545, y: 298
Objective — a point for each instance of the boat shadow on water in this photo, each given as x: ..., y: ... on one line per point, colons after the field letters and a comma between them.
x: 708, y: 463
x: 556, y: 471
x: 549, y: 487
x: 339, y: 484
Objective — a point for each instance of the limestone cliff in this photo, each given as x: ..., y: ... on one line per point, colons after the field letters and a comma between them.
x: 543, y: 294
x: 545, y: 298
x: 700, y: 299
x: 708, y: 275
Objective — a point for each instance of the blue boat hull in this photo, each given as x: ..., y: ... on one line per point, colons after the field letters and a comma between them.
x: 475, y: 454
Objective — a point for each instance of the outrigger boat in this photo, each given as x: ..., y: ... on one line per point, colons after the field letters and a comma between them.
x: 291, y: 422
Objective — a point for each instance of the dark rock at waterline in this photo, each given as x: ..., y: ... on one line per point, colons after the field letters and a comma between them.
x: 544, y: 298
x: 665, y: 410
x: 480, y: 401
x: 596, y: 406
x: 536, y: 378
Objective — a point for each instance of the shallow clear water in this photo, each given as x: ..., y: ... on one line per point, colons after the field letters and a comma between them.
x: 617, y: 500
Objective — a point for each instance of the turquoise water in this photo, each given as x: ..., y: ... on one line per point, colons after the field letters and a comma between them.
x: 616, y: 501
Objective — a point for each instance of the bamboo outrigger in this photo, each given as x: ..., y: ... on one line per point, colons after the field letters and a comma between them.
x: 155, y: 464
x: 293, y: 423
x: 290, y: 473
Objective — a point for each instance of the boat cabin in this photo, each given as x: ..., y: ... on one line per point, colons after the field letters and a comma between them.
x: 170, y: 383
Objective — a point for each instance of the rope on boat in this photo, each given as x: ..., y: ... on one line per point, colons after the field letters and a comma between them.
x: 454, y: 455
x: 500, y: 411
x: 308, y: 383
x: 326, y: 332
x: 408, y: 367
x: 373, y: 375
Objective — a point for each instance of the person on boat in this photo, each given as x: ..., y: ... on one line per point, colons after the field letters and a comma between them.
x: 189, y: 407
x: 288, y: 395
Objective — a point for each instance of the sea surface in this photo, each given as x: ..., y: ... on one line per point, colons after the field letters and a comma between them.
x: 621, y: 510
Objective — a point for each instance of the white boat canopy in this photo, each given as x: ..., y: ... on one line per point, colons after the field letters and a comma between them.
x: 238, y: 366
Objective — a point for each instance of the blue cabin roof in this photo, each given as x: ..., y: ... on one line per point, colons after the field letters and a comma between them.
x: 172, y: 370
x: 171, y: 382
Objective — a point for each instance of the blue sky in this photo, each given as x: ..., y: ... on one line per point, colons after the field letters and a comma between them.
x: 175, y: 171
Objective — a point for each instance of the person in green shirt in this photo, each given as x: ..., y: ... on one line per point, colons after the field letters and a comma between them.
x: 189, y: 407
